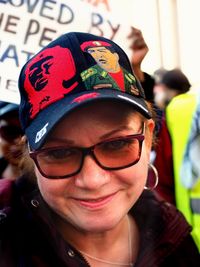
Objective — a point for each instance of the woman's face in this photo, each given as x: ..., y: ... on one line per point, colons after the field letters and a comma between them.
x: 95, y: 199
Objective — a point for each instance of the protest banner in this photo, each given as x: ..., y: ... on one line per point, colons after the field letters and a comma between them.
x: 28, y: 25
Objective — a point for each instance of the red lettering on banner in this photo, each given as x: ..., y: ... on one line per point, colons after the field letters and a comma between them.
x: 97, y: 2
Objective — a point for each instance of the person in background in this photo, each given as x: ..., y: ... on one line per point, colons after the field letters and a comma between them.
x: 92, y: 204
x: 179, y: 117
x: 139, y: 49
x: 168, y: 85
x: 190, y: 169
x: 158, y: 90
x: 179, y: 106
x: 10, y: 133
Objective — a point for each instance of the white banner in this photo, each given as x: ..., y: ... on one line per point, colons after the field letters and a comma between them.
x: 28, y: 25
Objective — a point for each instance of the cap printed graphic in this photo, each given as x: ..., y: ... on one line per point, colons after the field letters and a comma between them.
x: 45, y: 76
x: 73, y: 70
x: 107, y: 72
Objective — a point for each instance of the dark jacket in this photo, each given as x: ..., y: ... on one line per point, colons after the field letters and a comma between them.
x: 164, y: 164
x: 28, y: 237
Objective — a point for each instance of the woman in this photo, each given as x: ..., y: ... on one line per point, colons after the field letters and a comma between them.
x: 90, y: 150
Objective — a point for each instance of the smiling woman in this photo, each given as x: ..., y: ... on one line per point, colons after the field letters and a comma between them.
x: 90, y: 145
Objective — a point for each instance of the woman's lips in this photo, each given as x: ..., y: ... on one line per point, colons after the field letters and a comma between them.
x: 96, y: 203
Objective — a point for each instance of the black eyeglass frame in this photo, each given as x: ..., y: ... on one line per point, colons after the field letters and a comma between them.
x: 89, y: 151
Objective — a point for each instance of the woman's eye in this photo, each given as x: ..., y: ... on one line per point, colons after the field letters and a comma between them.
x: 117, y: 144
x: 57, y: 154
x: 61, y: 153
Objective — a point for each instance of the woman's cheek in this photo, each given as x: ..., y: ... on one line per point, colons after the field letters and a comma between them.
x: 48, y: 188
x: 134, y: 176
x: 140, y: 172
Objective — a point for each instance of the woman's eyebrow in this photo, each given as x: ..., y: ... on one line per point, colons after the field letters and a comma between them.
x: 118, y: 130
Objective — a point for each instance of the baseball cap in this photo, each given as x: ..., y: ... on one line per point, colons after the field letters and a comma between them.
x: 64, y: 76
x: 6, y: 108
x: 176, y: 80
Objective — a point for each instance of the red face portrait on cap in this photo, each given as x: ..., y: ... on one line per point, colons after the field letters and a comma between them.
x: 45, y: 75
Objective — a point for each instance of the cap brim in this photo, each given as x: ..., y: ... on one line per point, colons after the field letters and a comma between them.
x: 42, y: 125
x: 7, y: 108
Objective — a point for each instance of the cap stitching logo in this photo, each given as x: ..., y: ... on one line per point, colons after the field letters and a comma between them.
x: 41, y: 133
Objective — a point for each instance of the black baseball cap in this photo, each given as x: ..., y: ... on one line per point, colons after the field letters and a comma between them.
x: 7, y: 108
x: 65, y: 75
x: 176, y: 80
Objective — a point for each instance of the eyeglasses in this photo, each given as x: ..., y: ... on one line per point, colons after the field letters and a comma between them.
x: 10, y: 132
x: 112, y: 154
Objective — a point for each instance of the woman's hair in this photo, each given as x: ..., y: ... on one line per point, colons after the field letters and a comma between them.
x: 25, y: 162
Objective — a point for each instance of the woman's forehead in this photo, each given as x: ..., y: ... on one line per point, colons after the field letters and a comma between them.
x: 101, y: 115
x: 105, y: 111
x: 118, y: 107
x: 97, y: 122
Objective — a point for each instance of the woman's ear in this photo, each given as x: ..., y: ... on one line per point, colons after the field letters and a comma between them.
x: 150, y: 125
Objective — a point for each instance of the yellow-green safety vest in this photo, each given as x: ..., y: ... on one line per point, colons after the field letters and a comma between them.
x: 179, y: 114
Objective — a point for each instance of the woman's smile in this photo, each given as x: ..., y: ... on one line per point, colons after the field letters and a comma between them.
x: 96, y: 203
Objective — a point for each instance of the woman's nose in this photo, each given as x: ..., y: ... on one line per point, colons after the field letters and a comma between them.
x: 91, y: 176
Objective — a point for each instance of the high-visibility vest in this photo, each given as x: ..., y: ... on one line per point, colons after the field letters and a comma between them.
x: 179, y: 114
